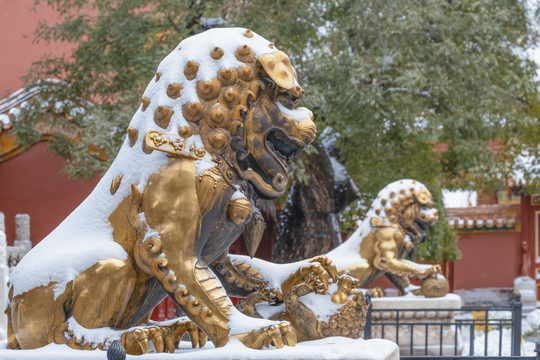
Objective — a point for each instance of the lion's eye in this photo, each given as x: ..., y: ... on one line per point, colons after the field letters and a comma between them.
x: 286, y: 101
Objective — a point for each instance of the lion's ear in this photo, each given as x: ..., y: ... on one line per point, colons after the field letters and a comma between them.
x: 279, y: 68
x: 423, y: 197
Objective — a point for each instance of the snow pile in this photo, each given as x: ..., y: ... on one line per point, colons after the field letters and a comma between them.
x: 329, y: 348
x: 530, y: 324
x: 321, y: 305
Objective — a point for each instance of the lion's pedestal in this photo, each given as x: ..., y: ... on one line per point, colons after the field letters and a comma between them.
x: 328, y: 348
x: 407, y: 318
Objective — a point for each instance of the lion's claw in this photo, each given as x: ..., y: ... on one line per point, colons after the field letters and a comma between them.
x: 135, y: 341
x: 319, y: 270
x: 327, y: 264
x: 279, y: 335
x: 179, y: 328
x: 434, y: 270
x: 376, y: 292
x: 164, y: 337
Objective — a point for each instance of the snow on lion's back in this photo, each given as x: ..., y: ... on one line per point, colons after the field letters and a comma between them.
x: 85, y: 236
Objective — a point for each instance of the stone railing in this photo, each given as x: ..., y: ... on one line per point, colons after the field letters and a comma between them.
x: 22, y: 243
x: 4, y: 274
x: 10, y: 257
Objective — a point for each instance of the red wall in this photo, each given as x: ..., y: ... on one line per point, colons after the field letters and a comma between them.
x: 17, y: 24
x: 30, y: 183
x: 491, y: 259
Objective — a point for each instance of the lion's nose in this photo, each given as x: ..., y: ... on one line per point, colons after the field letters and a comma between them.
x: 307, y: 129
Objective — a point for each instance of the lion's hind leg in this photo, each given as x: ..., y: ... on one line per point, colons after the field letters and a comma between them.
x: 12, y: 341
x: 34, y: 315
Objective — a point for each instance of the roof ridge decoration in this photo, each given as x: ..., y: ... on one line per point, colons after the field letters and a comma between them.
x: 485, y: 218
x: 10, y: 112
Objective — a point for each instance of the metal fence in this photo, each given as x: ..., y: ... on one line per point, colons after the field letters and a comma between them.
x: 482, y: 332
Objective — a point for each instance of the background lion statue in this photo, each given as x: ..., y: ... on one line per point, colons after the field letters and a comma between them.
x: 398, y: 219
x: 216, y: 130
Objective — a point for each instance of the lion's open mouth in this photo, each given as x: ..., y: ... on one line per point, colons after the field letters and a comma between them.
x: 283, y: 147
x: 421, y: 229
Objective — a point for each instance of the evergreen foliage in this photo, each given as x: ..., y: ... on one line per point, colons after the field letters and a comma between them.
x: 439, y: 91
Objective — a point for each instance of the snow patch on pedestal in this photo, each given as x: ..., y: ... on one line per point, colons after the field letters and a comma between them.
x: 329, y: 348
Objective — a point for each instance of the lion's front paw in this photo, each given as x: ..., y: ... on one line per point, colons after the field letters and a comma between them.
x: 327, y: 264
x: 181, y: 326
x: 278, y: 335
x: 164, y: 336
x: 415, y: 290
x: 137, y: 341
x: 316, y: 274
x: 433, y: 270
x: 376, y: 292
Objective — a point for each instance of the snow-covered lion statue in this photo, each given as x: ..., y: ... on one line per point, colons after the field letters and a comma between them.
x: 216, y: 130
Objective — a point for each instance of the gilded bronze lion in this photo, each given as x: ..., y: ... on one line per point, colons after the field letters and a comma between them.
x: 217, y: 129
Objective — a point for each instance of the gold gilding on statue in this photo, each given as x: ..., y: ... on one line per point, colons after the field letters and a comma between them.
x: 145, y: 103
x: 192, y: 112
x: 173, y: 90
x: 115, y: 184
x: 229, y: 97
x: 217, y: 140
x: 227, y: 77
x: 253, y: 232
x: 133, y: 134
x: 218, y: 117
x: 163, y: 115
x: 191, y: 69
x: 240, y: 211
x: 208, y: 90
x: 245, y: 54
x: 278, y: 66
x: 217, y: 53
x: 159, y: 140
x: 434, y: 286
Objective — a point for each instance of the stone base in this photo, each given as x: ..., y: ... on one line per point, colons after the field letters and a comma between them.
x: 329, y: 348
x: 526, y: 286
x: 412, y: 340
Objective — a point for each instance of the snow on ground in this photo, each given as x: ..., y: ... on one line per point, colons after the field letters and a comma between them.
x: 529, y: 324
x: 329, y: 348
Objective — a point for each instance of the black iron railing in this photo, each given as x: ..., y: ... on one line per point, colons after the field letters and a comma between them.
x: 451, y: 333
